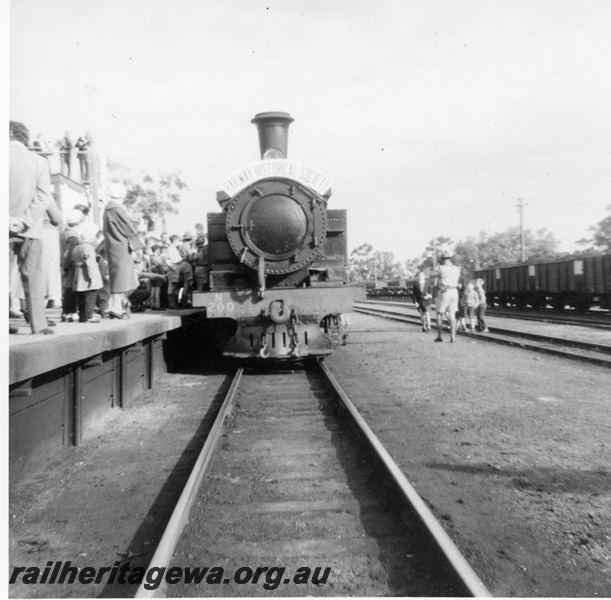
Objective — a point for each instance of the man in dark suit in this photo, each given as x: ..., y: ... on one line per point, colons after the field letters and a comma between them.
x: 82, y: 145
x: 65, y: 153
x: 29, y: 193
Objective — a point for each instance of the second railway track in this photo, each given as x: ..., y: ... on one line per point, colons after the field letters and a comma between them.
x: 301, y: 486
x: 596, y: 319
x: 594, y: 352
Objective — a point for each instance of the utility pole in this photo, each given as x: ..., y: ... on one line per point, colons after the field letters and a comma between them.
x: 521, y: 211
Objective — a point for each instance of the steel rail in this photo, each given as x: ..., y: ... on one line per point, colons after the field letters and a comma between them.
x: 395, y: 316
x: 471, y: 581
x: 180, y: 515
x: 542, y: 317
x: 519, y: 339
x: 591, y: 320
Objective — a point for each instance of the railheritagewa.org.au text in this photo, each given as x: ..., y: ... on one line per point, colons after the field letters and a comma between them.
x: 60, y: 572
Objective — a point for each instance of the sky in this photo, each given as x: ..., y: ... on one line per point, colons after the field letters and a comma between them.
x: 432, y: 117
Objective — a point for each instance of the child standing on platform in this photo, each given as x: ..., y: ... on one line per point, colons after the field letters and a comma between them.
x: 87, y: 279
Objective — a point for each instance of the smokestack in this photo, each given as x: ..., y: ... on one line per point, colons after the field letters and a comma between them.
x: 273, y: 130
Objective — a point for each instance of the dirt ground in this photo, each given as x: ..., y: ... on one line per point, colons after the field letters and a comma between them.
x: 109, y: 499
x: 510, y: 449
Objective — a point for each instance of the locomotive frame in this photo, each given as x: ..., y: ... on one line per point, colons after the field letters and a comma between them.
x: 278, y: 257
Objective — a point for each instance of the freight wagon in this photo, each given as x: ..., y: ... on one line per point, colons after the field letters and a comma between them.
x: 580, y: 283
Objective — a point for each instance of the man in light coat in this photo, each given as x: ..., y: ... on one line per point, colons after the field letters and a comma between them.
x: 29, y: 197
x: 118, y: 231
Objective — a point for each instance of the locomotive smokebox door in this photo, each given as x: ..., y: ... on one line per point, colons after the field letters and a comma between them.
x: 279, y: 220
x: 273, y: 130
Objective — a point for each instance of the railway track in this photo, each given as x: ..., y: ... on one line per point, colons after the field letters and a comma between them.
x: 550, y: 316
x: 594, y: 319
x: 298, y: 486
x: 598, y: 353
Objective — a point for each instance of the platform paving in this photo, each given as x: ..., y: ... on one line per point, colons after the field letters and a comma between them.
x: 31, y: 355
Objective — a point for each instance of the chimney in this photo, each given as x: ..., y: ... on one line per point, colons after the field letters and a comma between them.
x: 273, y: 133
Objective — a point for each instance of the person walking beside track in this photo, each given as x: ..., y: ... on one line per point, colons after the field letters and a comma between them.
x: 446, y: 299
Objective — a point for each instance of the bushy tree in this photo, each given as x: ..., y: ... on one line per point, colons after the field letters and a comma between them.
x: 600, y: 242
x: 153, y: 200
x: 426, y: 261
x: 411, y: 267
x: 366, y: 264
x: 150, y: 199
x: 361, y: 264
x: 542, y: 245
x: 387, y: 266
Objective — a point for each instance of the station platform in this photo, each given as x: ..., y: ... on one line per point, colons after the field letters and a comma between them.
x: 60, y: 385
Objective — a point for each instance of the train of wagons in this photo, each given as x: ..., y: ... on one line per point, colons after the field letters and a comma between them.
x: 580, y: 283
x: 278, y: 257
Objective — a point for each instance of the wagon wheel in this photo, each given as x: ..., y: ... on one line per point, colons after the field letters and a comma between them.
x: 539, y: 304
x: 582, y: 305
x: 558, y: 303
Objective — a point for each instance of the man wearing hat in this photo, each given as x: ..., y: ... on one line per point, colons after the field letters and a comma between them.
x: 185, y: 270
x: 118, y: 231
x: 446, y: 300
x: 200, y: 272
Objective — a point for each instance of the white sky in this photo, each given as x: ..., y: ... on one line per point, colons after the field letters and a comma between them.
x: 432, y: 117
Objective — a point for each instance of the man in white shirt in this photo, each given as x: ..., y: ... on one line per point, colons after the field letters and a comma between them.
x: 446, y: 299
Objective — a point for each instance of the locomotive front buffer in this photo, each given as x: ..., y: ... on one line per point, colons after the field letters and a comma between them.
x: 276, y: 327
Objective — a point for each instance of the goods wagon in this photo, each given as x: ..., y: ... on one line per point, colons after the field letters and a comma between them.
x: 580, y: 283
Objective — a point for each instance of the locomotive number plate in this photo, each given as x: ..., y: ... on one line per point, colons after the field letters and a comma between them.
x: 218, y: 305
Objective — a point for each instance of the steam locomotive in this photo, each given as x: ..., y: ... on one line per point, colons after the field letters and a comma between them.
x: 277, y: 257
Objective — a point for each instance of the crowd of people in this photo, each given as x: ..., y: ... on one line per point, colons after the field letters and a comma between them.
x: 454, y: 299
x: 117, y: 269
x: 96, y: 272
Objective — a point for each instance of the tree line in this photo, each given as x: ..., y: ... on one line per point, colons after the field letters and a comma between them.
x: 476, y: 253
